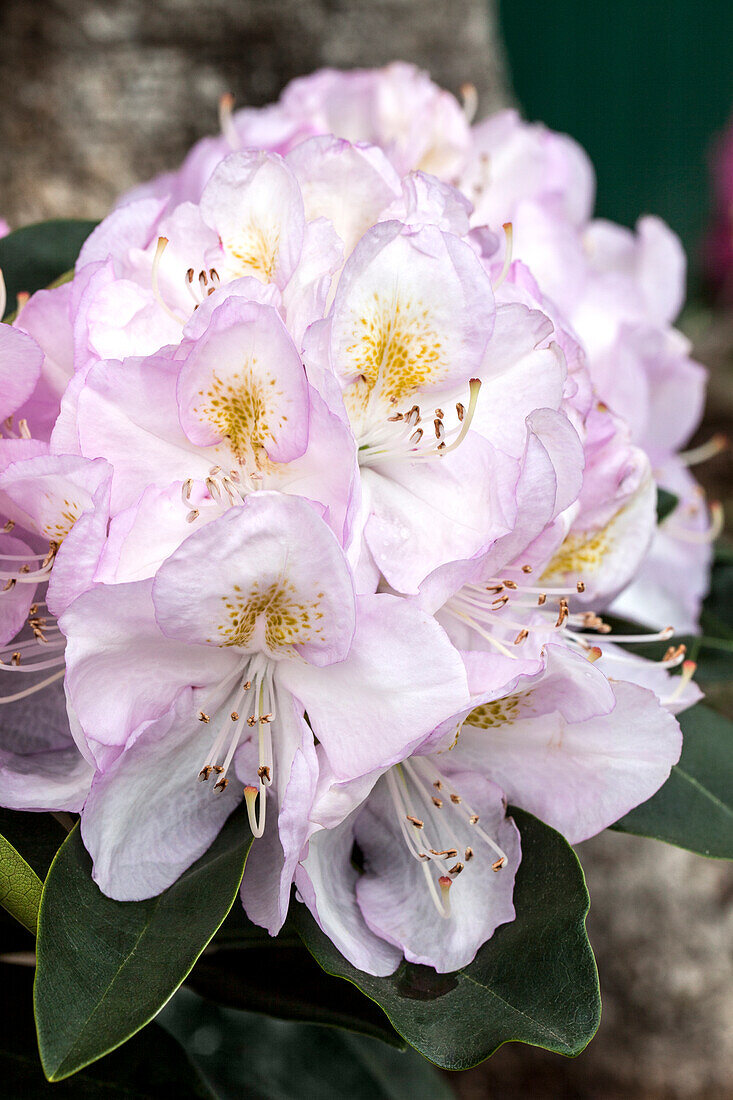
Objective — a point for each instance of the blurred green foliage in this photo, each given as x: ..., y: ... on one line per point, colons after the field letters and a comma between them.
x: 643, y: 86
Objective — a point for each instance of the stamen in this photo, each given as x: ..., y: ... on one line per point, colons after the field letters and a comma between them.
x: 685, y: 534
x: 226, y: 122
x: 469, y: 95
x: 160, y: 249
x: 714, y: 446
x: 509, y: 234
x: 474, y: 387
x: 688, y: 671
x: 31, y: 690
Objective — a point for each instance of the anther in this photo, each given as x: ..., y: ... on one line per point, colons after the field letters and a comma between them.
x: 526, y: 568
x: 205, y: 773
x: 438, y: 785
x: 15, y: 659
x: 438, y: 802
x: 510, y: 584
x: 521, y: 636
x: 251, y: 721
x: 580, y: 586
x: 456, y: 799
x: 203, y: 717
x: 415, y: 821
x: 498, y: 864
x: 468, y: 854
x: 456, y: 869
x: 192, y: 515
x: 460, y: 410
x: 416, y: 435
x: 473, y: 819
x: 265, y: 719
x: 439, y: 413
x: 234, y: 716
x: 190, y: 274
x: 264, y: 772
x: 562, y: 613
x: 221, y: 784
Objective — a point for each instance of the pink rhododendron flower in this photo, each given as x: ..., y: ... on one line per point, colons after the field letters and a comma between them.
x: 327, y: 461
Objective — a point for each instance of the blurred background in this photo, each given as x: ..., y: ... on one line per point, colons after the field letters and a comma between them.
x: 100, y: 95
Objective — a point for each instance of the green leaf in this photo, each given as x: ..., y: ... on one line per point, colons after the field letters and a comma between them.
x: 282, y: 979
x: 243, y: 1054
x: 105, y: 968
x: 694, y: 808
x: 28, y: 843
x: 152, y: 1066
x: 36, y: 255
x: 36, y: 836
x: 666, y: 504
x: 20, y: 886
x: 534, y: 982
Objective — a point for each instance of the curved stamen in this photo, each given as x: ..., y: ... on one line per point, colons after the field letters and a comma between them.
x: 509, y: 234
x: 31, y: 690
x: 688, y: 671
x: 714, y: 446
x: 469, y: 95
x: 160, y: 249
x: 226, y: 122
x: 686, y: 534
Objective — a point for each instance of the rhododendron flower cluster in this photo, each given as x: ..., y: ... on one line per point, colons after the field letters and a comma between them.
x: 317, y: 479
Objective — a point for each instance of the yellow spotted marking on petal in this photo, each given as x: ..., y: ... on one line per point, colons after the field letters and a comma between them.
x: 497, y: 713
x: 58, y: 530
x: 237, y: 406
x: 395, y: 347
x: 288, y: 620
x: 581, y: 552
x: 255, y: 251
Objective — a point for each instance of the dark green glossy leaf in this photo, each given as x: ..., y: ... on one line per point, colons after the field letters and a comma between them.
x: 152, y: 1066
x: 534, y: 982
x: 36, y: 836
x: 36, y: 255
x: 282, y: 979
x: 666, y: 504
x: 20, y: 886
x: 245, y: 1055
x: 105, y: 968
x: 694, y: 808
